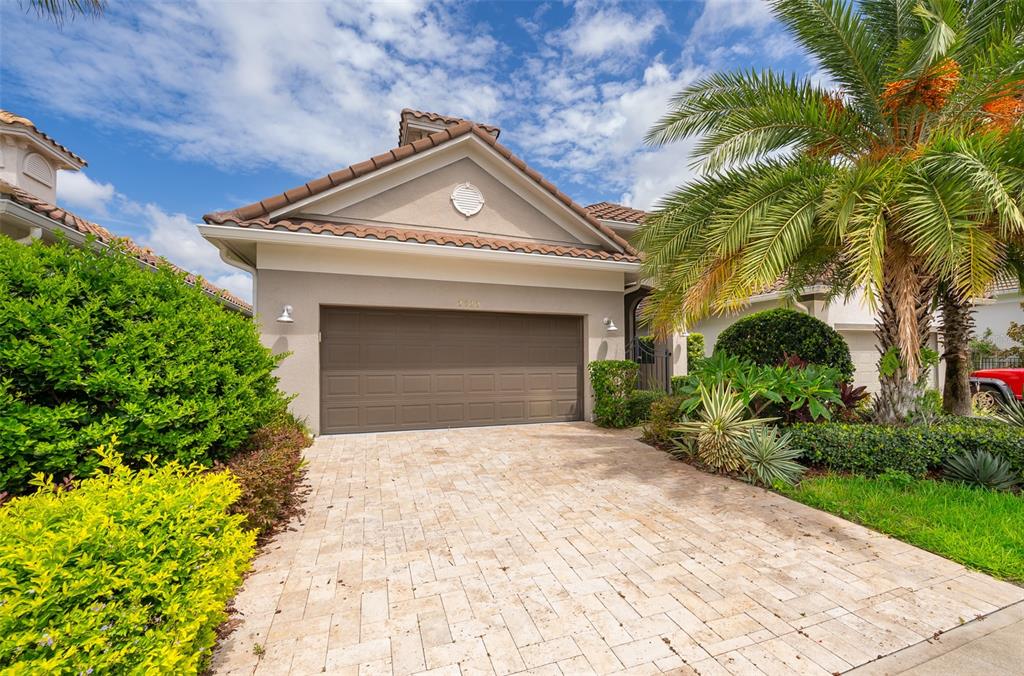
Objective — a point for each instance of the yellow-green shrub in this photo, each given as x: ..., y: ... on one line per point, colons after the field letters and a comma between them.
x: 128, y: 572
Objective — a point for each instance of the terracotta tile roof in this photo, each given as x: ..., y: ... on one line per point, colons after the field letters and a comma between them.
x: 261, y: 209
x: 143, y: 254
x: 9, y: 118
x: 610, y: 211
x: 318, y: 227
x: 447, y: 120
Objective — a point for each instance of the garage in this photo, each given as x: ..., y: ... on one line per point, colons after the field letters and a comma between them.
x: 398, y: 369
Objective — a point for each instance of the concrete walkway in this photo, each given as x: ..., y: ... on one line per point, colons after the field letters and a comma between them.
x: 992, y: 646
x: 566, y: 549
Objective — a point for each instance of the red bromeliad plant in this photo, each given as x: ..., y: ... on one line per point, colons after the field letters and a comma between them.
x: 903, y: 179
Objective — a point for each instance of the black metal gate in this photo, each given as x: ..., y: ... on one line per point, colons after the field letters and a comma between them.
x: 655, y: 362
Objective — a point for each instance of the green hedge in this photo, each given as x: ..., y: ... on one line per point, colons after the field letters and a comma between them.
x: 613, y: 381
x: 130, y: 572
x: 694, y: 350
x: 873, y: 449
x: 767, y: 337
x: 92, y: 345
x: 640, y: 402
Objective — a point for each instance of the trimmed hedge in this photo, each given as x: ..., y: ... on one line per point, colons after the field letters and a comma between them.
x: 873, y: 449
x: 92, y: 345
x: 613, y: 381
x: 129, y: 572
x: 767, y: 337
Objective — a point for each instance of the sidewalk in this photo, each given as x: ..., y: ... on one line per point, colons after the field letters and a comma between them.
x: 992, y: 646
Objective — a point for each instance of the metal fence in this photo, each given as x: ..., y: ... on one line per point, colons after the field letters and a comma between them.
x: 654, y: 361
x: 979, y: 362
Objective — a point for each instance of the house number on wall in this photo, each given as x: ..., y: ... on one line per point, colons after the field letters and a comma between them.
x: 469, y: 303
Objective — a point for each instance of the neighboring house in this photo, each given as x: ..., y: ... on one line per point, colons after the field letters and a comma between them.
x: 29, y: 161
x: 441, y: 283
x: 997, y: 311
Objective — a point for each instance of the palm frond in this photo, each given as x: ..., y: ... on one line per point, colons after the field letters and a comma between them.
x: 834, y: 33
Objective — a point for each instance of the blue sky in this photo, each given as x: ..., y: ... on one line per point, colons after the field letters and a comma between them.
x: 186, y: 108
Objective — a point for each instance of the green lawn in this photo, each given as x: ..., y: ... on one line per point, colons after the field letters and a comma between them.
x: 981, y: 529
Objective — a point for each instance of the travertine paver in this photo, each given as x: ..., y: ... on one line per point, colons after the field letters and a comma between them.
x: 566, y: 549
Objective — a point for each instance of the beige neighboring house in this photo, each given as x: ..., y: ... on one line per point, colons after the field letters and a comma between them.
x: 443, y: 283
x: 29, y: 162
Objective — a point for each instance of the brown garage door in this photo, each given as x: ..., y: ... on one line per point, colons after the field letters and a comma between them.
x: 383, y: 369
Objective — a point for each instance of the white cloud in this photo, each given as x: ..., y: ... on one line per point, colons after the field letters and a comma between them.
x: 303, y: 86
x: 238, y: 283
x: 175, y: 237
x: 597, y: 30
x: 77, y: 190
x: 720, y: 16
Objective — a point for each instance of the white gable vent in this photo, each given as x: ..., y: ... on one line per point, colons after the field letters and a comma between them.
x: 467, y: 199
x: 38, y: 168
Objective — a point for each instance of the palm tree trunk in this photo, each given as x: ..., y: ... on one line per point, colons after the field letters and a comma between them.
x: 900, y: 389
x: 957, y: 329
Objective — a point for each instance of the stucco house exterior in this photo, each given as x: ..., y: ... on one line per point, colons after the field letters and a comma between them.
x: 443, y: 283
x: 29, y: 164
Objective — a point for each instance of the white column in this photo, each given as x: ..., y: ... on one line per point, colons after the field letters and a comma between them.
x: 677, y: 343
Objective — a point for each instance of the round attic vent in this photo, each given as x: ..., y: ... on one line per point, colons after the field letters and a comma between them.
x: 467, y: 199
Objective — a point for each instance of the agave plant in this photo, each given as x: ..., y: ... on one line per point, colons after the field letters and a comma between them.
x: 769, y: 457
x: 981, y: 468
x: 720, y: 427
x: 1011, y: 413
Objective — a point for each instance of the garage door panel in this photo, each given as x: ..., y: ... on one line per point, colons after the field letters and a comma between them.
x: 415, y: 414
x: 377, y: 414
x: 479, y: 383
x: 408, y: 369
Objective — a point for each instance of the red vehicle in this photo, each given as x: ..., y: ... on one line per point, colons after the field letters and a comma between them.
x: 1007, y: 384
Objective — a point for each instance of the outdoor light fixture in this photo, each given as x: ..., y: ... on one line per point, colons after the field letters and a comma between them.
x: 610, y: 325
x: 286, y: 315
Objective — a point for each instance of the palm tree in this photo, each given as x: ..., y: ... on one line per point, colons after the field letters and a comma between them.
x: 905, y: 176
x: 61, y: 10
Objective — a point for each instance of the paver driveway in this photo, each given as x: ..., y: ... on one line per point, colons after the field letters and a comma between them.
x: 568, y: 549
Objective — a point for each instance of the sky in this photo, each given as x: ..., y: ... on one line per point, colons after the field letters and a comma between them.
x: 183, y: 108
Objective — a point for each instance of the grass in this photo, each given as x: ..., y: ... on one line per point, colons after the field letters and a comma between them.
x: 981, y: 529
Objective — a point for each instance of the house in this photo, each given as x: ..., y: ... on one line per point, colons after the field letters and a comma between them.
x: 29, y: 165
x: 442, y: 283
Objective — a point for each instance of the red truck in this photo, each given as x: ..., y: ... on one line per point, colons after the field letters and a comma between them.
x: 1006, y: 384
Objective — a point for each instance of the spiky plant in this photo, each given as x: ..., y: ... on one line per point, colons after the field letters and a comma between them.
x: 719, y: 428
x: 1011, y: 412
x: 905, y: 175
x: 981, y: 468
x: 769, y: 458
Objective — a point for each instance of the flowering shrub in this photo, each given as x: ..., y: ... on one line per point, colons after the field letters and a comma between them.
x: 128, y: 572
x: 92, y: 345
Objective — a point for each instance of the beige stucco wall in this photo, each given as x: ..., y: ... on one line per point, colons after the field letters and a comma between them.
x: 407, y: 281
x: 14, y: 152
x: 426, y: 202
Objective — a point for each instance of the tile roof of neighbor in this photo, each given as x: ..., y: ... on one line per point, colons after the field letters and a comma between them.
x: 142, y: 254
x: 9, y: 118
x: 388, y: 233
x: 610, y: 211
x: 448, y: 120
x: 257, y: 212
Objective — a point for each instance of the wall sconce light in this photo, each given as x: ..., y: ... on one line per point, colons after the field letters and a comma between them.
x: 610, y: 325
x: 286, y: 315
